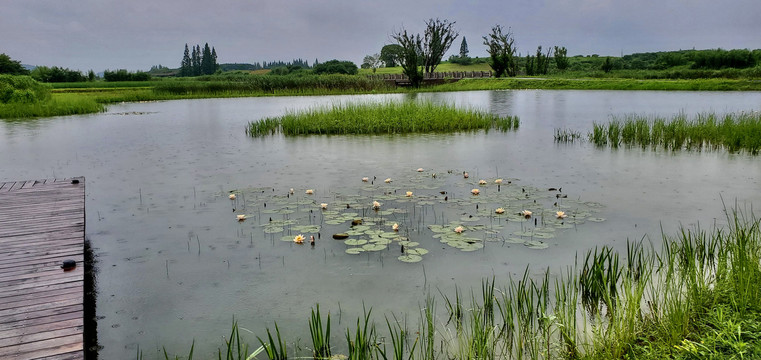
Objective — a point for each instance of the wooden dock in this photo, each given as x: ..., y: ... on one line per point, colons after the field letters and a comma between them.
x: 42, y: 223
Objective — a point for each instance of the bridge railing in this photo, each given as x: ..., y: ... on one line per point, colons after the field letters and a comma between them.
x: 436, y: 75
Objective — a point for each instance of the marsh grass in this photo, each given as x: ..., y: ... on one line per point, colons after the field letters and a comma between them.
x: 567, y: 135
x: 270, y: 84
x: 733, y: 132
x: 696, y: 297
x: 275, y: 350
x: 57, y: 105
x: 382, y: 118
x: 320, y: 336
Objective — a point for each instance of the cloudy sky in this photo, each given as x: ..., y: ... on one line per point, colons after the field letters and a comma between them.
x: 136, y: 34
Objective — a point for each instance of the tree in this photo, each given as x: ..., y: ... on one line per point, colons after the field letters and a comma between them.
x: 391, y: 55
x: 607, y: 66
x: 541, y: 63
x: 439, y: 36
x: 372, y: 62
x: 464, y: 48
x: 214, y: 64
x: 336, y: 67
x: 196, y: 60
x: 412, y: 55
x: 561, y: 58
x: 91, y: 75
x: 9, y: 66
x: 186, y: 67
x: 207, y: 67
x: 501, y: 51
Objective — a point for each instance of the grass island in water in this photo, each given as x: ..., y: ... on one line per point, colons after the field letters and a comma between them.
x: 382, y: 118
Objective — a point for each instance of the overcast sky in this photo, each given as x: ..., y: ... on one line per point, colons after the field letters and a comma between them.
x: 137, y: 34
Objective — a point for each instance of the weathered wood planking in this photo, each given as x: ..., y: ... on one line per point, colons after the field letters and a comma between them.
x: 42, y: 223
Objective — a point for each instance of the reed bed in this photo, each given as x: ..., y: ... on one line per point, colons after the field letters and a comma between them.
x: 697, y: 297
x: 58, y: 105
x: 270, y: 84
x: 382, y: 118
x: 733, y: 132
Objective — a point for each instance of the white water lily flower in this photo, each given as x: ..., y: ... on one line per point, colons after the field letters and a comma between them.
x: 420, y: 170
x: 241, y: 217
x: 498, y: 181
x: 409, y: 193
x: 232, y: 196
x: 324, y: 205
x: 500, y: 211
x: 526, y: 213
x: 365, y: 179
x: 310, y: 192
x: 376, y: 205
x: 475, y: 191
x: 395, y: 227
x: 459, y: 229
x: 387, y: 180
x: 481, y: 182
x: 299, y: 239
x: 465, y: 175
x: 561, y: 214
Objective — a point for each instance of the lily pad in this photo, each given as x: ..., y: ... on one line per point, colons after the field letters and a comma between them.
x: 353, y: 242
x: 536, y: 244
x: 416, y: 251
x: 273, y: 229
x: 373, y: 247
x: 410, y: 258
x: 307, y: 228
x: 354, y: 251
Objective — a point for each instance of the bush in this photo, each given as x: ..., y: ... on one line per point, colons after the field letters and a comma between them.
x: 22, y: 89
x: 336, y: 67
x: 124, y: 75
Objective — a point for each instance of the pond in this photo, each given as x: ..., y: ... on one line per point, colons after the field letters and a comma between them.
x: 175, y: 264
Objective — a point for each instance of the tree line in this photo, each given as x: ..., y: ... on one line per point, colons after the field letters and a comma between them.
x: 199, y: 61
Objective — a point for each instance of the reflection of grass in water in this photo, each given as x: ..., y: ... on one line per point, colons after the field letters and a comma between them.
x: 696, y: 298
x: 384, y: 118
x: 733, y: 132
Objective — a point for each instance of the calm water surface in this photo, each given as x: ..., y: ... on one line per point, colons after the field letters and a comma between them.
x: 174, y: 265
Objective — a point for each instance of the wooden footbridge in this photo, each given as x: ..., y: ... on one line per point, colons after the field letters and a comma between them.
x: 42, y: 224
x: 432, y: 78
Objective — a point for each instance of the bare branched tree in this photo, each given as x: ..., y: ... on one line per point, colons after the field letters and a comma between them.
x: 412, y: 55
x: 439, y: 36
x: 502, y: 51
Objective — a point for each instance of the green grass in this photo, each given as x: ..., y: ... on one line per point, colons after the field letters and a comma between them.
x: 732, y: 132
x: 57, y: 105
x: 384, y: 118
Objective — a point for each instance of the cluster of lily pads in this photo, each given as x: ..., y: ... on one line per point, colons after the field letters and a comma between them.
x: 419, y: 207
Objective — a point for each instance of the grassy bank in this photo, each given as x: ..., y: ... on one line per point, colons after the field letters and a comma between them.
x: 80, y: 98
x: 733, y: 132
x: 695, y: 298
x: 385, y: 118
x: 601, y: 84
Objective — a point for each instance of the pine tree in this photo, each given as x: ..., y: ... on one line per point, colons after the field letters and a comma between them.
x: 214, y: 64
x: 206, y: 65
x: 186, y: 67
x: 196, y: 60
x: 464, y: 48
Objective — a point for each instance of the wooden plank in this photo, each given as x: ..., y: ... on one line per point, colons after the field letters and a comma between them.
x: 42, y: 223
